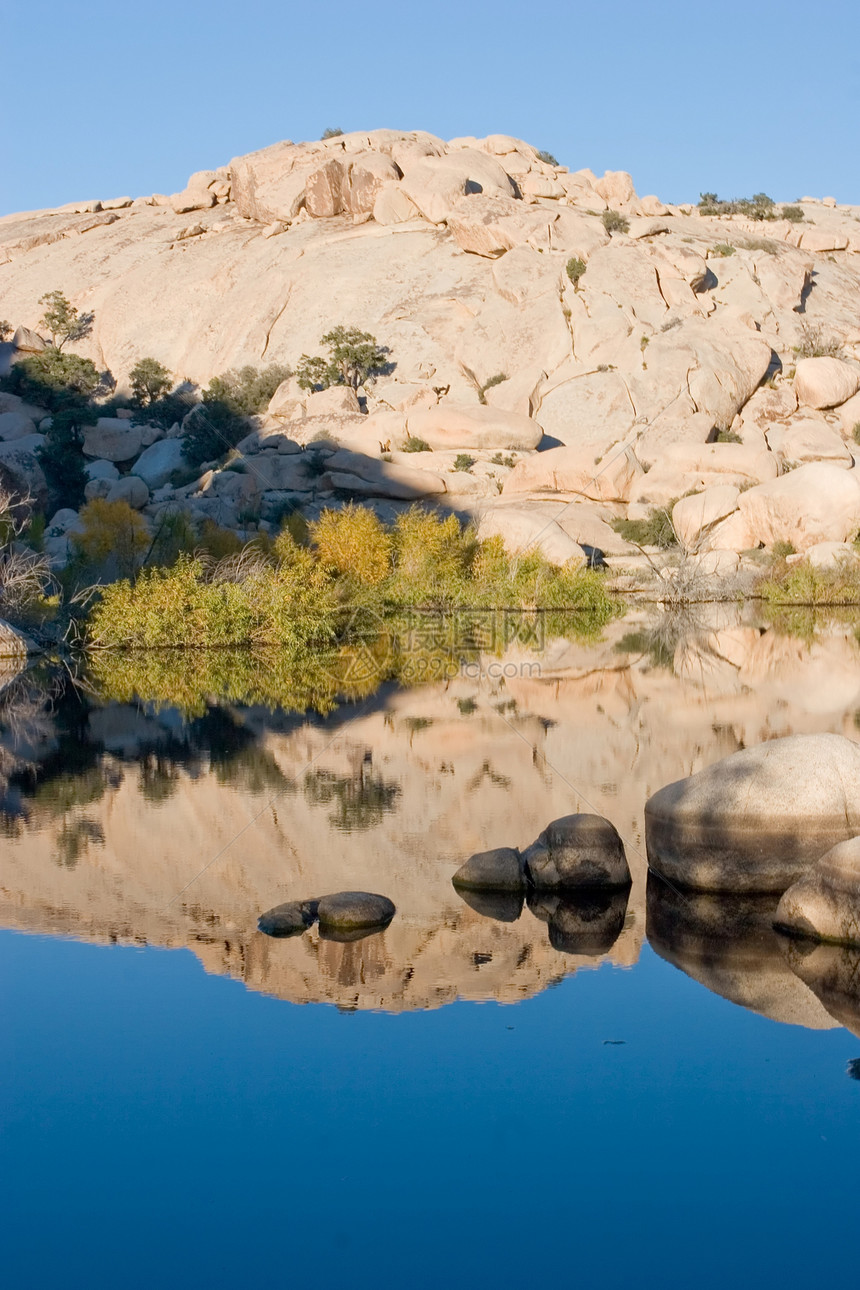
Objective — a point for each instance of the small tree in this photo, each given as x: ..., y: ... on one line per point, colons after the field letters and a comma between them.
x: 150, y: 381
x: 331, y: 132
x: 112, y: 533
x: 63, y: 320
x: 61, y: 456
x: 615, y: 222
x: 6, y: 329
x: 575, y: 269
x: 354, y: 357
x: 52, y: 379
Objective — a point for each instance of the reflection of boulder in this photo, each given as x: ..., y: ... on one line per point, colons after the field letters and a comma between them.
x: 503, y: 906
x: 757, y: 820
x: 825, y: 903
x: 832, y: 973
x: 577, y: 851
x: 727, y: 944
x: 586, y: 922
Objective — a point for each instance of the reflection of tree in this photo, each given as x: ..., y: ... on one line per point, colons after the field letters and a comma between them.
x: 74, y: 838
x: 360, y: 800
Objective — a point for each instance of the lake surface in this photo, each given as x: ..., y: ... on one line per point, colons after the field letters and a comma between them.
x: 655, y: 1091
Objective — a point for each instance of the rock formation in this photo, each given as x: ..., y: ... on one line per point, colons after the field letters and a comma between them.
x: 625, y: 371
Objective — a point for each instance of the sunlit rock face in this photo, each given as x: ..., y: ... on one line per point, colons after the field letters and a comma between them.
x: 759, y: 819
x: 824, y: 905
x: 144, y: 830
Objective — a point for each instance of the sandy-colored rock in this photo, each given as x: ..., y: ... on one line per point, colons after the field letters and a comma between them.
x: 28, y: 341
x: 805, y: 441
x: 489, y: 226
x: 824, y: 904
x: 827, y: 555
x: 574, y: 470
x: 337, y: 400
x: 615, y: 187
x: 759, y: 819
x: 684, y: 466
x: 593, y: 409
x: 693, y: 516
x: 524, y: 528
x: 815, y: 503
x: 435, y: 184
x: 392, y: 205
x: 825, y: 382
x: 450, y: 426
x: 112, y: 439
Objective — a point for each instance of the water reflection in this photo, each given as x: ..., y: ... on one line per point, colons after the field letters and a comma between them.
x: 138, y: 816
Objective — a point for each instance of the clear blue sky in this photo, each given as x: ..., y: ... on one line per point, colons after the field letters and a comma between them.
x: 102, y: 99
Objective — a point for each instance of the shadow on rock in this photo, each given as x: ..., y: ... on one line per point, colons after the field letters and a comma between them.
x: 727, y: 944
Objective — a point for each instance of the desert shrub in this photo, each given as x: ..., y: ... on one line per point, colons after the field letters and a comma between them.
x: 728, y: 436
x: 502, y: 459
x: 575, y: 268
x: 547, y: 158
x: 656, y: 530
x: 150, y: 381
x: 52, y: 380
x: 794, y: 214
x: 498, y: 379
x: 354, y: 357
x: 331, y: 132
x: 615, y: 222
x: 803, y: 584
x: 415, y: 444
x: 211, y: 431
x: 723, y: 249
x: 353, y: 541
x: 6, y: 329
x: 246, y: 390
x: 432, y: 557
x: 113, y: 539
x: 62, y: 320
x: 463, y: 462
x: 174, y: 534
x: 855, y: 433
x: 61, y: 456
x: 816, y: 343
x: 765, y: 244
x: 757, y: 207
x: 782, y: 549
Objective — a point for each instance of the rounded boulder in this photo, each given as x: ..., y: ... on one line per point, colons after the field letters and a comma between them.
x: 577, y: 851
x: 501, y: 869
x: 824, y: 905
x: 354, y: 911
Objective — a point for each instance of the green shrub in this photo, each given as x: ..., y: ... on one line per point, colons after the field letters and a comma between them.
x: 815, y: 343
x: 331, y: 132
x: 211, y: 431
x: 354, y: 356
x: 575, y: 269
x: 52, y: 379
x: 782, y: 549
x: 794, y: 214
x: 723, y: 249
x: 728, y: 436
x: 803, y: 584
x: 62, y: 320
x: 657, y: 530
x: 149, y: 380
x: 113, y: 537
x: 6, y: 329
x: 414, y: 444
x: 498, y: 379
x: 353, y: 541
x: 463, y: 462
x: 855, y: 433
x: 500, y: 459
x: 248, y: 390
x: 547, y: 158
x: 757, y: 207
x: 615, y: 222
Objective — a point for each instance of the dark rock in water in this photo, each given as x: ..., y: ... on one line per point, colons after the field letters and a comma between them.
x: 586, y: 922
x: 499, y: 870
x: 290, y: 919
x: 832, y: 973
x: 727, y: 943
x: 353, y: 911
x: 503, y: 906
x: 577, y: 851
x: 824, y: 904
x: 758, y: 820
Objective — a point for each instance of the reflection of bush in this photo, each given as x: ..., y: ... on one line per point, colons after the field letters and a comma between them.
x: 361, y: 801
x: 74, y: 839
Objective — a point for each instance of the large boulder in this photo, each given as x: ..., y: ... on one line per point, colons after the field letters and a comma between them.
x: 129, y: 489
x: 815, y: 503
x: 15, y: 425
x: 759, y: 819
x: 806, y: 441
x: 20, y: 469
x: 526, y: 528
x: 574, y: 470
x: 825, y: 382
x: 290, y: 919
x: 694, y: 516
x: 577, y: 851
x: 435, y: 184
x: 824, y: 905
x: 156, y: 464
x: 489, y: 226
x: 112, y: 439
x: 501, y: 869
x: 462, y: 426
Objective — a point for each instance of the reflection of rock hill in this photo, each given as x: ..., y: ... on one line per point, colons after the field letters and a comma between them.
x: 476, y: 763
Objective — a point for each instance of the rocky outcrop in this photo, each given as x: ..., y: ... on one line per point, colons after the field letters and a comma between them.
x: 824, y: 905
x: 758, y: 820
x: 572, y: 853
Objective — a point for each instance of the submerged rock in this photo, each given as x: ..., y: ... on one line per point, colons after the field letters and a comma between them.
x: 824, y: 905
x: 354, y: 911
x: 501, y: 869
x: 588, y: 922
x: 289, y: 919
x: 577, y: 851
x: 759, y: 819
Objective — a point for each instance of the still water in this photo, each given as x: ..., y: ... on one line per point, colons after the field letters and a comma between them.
x: 659, y: 1093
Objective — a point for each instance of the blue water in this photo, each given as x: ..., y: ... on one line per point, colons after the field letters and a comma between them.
x: 162, y: 1127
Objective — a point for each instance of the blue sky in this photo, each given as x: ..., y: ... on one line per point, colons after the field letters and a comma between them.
x: 102, y: 99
